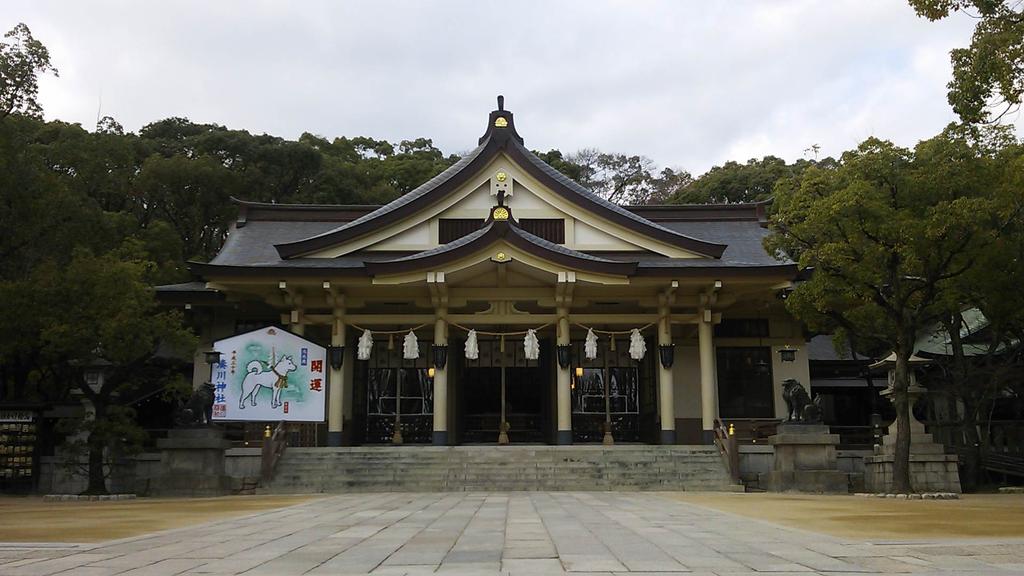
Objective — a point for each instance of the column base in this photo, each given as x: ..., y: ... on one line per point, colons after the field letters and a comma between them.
x: 334, y: 438
x: 668, y: 436
x: 440, y: 438
x: 564, y: 437
x: 707, y: 437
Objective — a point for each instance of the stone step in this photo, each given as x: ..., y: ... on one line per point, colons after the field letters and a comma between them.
x: 489, y: 468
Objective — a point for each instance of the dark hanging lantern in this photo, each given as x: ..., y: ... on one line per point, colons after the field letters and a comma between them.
x: 440, y: 356
x: 667, y: 352
x: 564, y: 356
x: 336, y: 356
x: 787, y: 354
x: 212, y: 357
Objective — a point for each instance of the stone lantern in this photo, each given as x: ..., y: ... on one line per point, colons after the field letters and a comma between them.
x: 931, y: 469
x: 914, y: 390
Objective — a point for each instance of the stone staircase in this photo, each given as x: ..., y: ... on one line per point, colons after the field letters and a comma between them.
x: 500, y: 468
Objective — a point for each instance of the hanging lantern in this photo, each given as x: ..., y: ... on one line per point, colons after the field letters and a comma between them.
x: 590, y: 345
x: 410, y: 346
x: 787, y: 354
x: 531, y: 346
x: 564, y: 356
x: 472, y: 348
x: 667, y: 353
x: 440, y: 352
x: 336, y: 356
x: 637, y: 346
x: 364, y: 346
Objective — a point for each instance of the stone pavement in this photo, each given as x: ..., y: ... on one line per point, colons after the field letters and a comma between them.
x: 518, y: 533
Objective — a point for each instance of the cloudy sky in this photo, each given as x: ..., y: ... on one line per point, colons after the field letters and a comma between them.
x: 690, y: 84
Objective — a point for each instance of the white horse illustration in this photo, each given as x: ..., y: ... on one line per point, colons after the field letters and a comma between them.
x: 276, y: 379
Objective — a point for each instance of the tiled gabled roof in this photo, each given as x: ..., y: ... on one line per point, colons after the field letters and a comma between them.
x: 496, y: 139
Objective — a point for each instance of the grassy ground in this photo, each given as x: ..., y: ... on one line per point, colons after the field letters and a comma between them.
x: 973, y: 516
x: 32, y: 520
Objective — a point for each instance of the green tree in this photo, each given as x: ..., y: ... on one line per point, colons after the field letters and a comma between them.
x: 887, y: 233
x: 22, y: 59
x: 192, y: 195
x: 989, y: 74
x: 984, y: 362
x: 734, y: 182
x: 99, y: 310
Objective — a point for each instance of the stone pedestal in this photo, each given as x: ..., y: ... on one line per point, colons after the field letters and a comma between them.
x: 931, y: 469
x: 805, y: 461
x: 192, y: 463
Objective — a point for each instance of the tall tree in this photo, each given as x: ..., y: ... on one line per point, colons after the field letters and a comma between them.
x: 99, y: 311
x: 22, y: 59
x: 887, y: 233
x: 193, y: 195
x: 988, y: 76
x: 734, y: 182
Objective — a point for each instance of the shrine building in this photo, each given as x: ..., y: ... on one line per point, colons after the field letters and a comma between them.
x: 684, y: 303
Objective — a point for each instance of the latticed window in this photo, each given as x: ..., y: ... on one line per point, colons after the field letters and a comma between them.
x: 550, y: 229
x: 450, y: 229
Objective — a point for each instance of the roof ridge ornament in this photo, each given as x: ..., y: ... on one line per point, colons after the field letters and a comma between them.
x: 501, y: 128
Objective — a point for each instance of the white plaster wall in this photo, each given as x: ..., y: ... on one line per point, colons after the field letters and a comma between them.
x: 589, y: 238
x: 686, y: 381
x: 478, y: 201
x: 416, y: 238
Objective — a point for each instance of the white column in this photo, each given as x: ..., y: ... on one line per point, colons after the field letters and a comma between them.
x: 440, y: 381
x: 708, y: 388
x: 336, y: 384
x: 666, y: 402
x: 563, y: 383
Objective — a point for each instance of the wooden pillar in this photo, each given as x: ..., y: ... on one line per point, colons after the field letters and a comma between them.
x: 440, y: 437
x: 563, y: 383
x: 336, y: 384
x: 666, y: 401
x: 708, y: 388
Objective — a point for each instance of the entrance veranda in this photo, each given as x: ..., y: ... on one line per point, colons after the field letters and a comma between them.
x: 611, y: 391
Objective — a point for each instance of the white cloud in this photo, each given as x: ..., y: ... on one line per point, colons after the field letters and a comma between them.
x: 689, y: 84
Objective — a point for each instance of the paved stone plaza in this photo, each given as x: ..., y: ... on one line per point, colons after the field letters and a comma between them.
x: 531, y: 533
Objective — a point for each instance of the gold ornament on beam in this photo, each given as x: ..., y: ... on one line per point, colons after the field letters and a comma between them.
x: 501, y: 176
x: 501, y: 122
x: 499, y: 213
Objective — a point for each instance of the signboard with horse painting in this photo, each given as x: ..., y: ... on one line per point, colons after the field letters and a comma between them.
x: 269, y: 374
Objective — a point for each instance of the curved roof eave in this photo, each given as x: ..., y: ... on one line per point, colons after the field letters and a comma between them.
x: 445, y: 182
x: 496, y: 231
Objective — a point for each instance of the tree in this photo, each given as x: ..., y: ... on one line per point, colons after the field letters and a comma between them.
x: 99, y: 310
x: 735, y: 182
x: 989, y: 74
x: 192, y: 195
x: 619, y: 178
x: 22, y: 59
x: 984, y: 322
x: 887, y: 233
